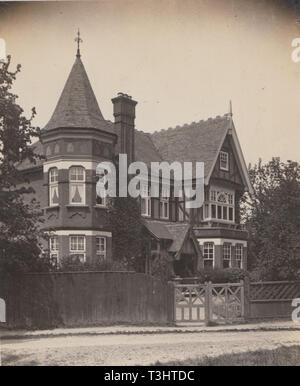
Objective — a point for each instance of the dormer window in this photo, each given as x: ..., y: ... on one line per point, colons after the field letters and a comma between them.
x: 224, y: 160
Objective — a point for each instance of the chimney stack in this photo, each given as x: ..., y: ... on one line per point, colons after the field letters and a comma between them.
x: 124, y: 113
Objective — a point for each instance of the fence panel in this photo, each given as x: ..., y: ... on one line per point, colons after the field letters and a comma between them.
x: 272, y: 299
x: 86, y: 299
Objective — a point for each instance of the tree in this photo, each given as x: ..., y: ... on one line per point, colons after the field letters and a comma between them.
x: 129, y: 239
x: 272, y: 218
x: 19, y: 218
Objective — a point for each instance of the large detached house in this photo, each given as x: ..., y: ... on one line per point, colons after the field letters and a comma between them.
x: 78, y: 137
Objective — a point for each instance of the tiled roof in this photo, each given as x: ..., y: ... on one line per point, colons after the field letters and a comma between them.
x: 164, y: 230
x: 77, y: 105
x: 145, y: 151
x: 198, y: 141
x: 178, y: 232
x: 158, y: 229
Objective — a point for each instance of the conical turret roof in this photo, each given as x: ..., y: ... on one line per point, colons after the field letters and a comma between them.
x: 77, y: 106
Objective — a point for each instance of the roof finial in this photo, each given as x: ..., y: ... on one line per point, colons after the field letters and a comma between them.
x: 230, y: 108
x: 78, y: 40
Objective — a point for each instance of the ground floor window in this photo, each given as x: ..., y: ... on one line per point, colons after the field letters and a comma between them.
x: 226, y: 255
x: 101, y: 247
x: 77, y: 247
x: 208, y: 254
x: 54, y: 249
x: 239, y: 255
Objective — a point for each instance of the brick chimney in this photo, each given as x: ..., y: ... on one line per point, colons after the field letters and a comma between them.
x: 124, y: 113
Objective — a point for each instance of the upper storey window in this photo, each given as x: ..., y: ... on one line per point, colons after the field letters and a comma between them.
x: 219, y: 205
x: 53, y: 187
x: 164, y: 203
x: 224, y: 160
x: 145, y: 200
x: 77, y: 185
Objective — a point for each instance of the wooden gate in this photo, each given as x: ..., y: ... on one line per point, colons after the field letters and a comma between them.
x: 209, y: 303
x: 190, y: 300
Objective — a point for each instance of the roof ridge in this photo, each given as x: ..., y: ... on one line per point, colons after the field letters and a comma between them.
x: 185, y: 125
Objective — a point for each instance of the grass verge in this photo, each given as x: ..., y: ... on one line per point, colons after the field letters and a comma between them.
x: 282, y: 356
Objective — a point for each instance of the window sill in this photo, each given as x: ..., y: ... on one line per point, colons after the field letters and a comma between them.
x: 77, y: 206
x: 51, y: 207
x: 100, y: 206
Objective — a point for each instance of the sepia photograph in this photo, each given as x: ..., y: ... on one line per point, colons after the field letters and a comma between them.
x: 150, y: 186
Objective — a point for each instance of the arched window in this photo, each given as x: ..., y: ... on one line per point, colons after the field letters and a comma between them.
x: 53, y: 187
x: 77, y: 185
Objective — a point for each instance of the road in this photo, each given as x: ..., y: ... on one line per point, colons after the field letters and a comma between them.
x: 138, y: 349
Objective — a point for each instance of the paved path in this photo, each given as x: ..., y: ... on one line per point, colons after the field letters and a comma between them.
x: 139, y: 349
x: 121, y: 329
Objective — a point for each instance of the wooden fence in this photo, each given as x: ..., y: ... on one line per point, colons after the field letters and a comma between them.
x: 85, y: 299
x: 271, y: 299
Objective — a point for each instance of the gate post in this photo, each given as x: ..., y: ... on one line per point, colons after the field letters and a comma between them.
x: 246, y: 298
x: 171, y: 302
x: 208, y: 302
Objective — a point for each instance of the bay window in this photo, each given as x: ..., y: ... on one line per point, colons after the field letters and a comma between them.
x: 239, y: 255
x: 77, y: 185
x: 77, y: 247
x: 53, y: 187
x: 219, y: 205
x: 226, y: 255
x: 208, y: 254
x: 101, y: 247
x: 54, y: 248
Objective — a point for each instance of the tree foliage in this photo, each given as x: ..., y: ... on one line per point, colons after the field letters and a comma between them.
x: 19, y: 218
x: 129, y: 239
x: 272, y: 218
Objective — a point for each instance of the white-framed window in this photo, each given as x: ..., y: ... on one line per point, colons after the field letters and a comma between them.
x: 164, y: 202
x: 219, y: 206
x: 145, y: 200
x: 224, y: 160
x: 208, y: 254
x: 101, y: 247
x: 53, y: 187
x: 226, y: 255
x: 77, y: 247
x: 54, y: 248
x: 239, y: 255
x: 77, y: 185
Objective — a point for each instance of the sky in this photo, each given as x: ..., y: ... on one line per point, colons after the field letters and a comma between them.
x: 183, y: 61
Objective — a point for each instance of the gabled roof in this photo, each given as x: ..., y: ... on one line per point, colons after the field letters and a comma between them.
x: 179, y: 233
x: 77, y: 106
x: 176, y: 233
x: 158, y: 229
x: 199, y: 141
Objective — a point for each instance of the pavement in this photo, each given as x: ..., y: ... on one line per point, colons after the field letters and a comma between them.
x: 134, y: 330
